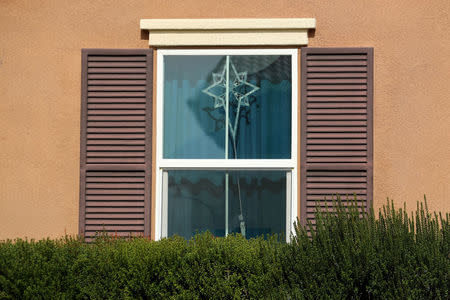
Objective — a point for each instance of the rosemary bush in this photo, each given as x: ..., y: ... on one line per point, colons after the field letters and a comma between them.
x: 353, y: 254
x: 346, y: 254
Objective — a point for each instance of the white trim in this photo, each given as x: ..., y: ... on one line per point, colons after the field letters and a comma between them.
x: 294, y: 200
x: 159, y: 140
x: 222, y: 24
x: 165, y: 202
x: 228, y: 38
x: 266, y: 51
x: 294, y: 129
x: 223, y: 32
x: 158, y: 204
x: 230, y: 164
x: 289, y: 165
x: 288, y: 204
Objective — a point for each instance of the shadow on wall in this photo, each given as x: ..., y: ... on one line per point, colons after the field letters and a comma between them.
x: 144, y: 35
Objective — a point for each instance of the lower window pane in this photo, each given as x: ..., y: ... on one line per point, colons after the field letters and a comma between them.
x: 248, y: 202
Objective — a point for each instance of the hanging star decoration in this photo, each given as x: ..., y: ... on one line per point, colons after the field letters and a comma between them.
x: 235, y: 88
x: 240, y: 88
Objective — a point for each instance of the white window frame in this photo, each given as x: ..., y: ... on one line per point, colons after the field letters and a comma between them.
x: 163, y: 165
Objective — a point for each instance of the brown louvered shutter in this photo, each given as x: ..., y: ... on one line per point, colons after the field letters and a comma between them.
x: 336, y: 133
x: 116, y: 130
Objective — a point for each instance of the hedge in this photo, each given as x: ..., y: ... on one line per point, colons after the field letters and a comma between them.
x: 346, y: 254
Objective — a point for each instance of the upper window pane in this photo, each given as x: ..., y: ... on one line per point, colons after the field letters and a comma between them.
x: 256, y: 91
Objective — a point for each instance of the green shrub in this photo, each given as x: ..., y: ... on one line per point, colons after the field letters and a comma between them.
x: 346, y: 254
x: 352, y: 254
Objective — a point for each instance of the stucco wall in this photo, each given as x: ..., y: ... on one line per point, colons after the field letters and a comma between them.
x: 40, y: 44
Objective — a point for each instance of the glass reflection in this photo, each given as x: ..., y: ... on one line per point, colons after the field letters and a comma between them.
x: 259, y: 106
x: 197, y: 201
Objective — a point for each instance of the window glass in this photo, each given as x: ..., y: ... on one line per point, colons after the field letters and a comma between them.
x: 255, y: 203
x: 256, y: 91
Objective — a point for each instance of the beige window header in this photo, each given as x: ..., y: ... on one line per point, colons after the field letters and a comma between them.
x: 227, y: 32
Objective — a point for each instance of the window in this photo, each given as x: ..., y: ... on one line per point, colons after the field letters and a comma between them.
x: 214, y: 173
x: 226, y: 146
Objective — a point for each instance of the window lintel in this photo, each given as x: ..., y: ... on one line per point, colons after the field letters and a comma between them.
x: 228, y: 32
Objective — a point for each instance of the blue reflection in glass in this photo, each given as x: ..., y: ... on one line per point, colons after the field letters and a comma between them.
x: 195, y: 129
x: 196, y: 202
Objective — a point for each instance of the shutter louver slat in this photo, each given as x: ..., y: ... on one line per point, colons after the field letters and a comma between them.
x: 336, y: 138
x: 116, y: 82
x: 116, y: 142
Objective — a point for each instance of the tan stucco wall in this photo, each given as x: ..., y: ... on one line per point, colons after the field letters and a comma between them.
x: 40, y: 44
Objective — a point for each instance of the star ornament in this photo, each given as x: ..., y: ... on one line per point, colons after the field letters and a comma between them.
x: 240, y: 88
x: 218, y: 89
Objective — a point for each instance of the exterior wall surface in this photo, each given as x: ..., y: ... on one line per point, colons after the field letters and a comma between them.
x: 40, y: 65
